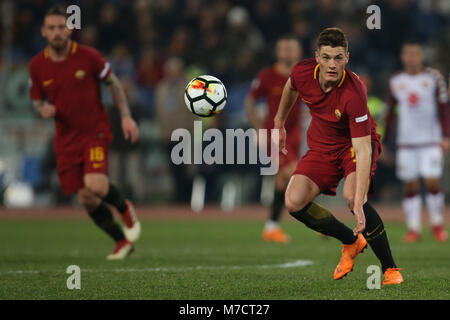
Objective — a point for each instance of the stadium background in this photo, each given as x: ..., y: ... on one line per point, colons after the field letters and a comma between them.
x: 156, y: 46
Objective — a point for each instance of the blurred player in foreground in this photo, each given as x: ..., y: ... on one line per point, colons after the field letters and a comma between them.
x: 423, y: 132
x: 343, y: 143
x: 69, y: 75
x: 269, y: 84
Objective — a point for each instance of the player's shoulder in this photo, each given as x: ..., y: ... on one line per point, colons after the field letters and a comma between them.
x: 353, y: 86
x: 434, y: 73
x: 399, y: 74
x: 305, y: 67
x: 266, y: 72
x: 84, y: 50
x: 37, y: 60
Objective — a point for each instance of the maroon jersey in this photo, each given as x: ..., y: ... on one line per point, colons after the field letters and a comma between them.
x: 269, y: 84
x: 73, y: 87
x: 337, y: 116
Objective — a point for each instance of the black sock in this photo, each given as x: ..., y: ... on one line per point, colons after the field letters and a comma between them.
x: 103, y: 218
x: 115, y: 199
x: 277, y: 205
x: 377, y: 238
x: 321, y: 220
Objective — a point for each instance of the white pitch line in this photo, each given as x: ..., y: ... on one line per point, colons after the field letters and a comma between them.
x: 292, y: 264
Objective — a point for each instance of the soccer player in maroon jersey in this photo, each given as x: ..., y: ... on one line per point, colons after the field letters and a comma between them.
x: 68, y: 75
x: 343, y: 143
x: 269, y: 84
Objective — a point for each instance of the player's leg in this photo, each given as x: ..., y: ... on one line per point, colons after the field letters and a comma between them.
x: 103, y: 218
x: 300, y: 194
x: 374, y: 233
x: 96, y: 180
x: 431, y: 170
x: 408, y: 172
x: 272, y: 230
x: 98, y: 184
x: 412, y: 208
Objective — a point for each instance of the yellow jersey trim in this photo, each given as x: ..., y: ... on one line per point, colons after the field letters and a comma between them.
x: 342, y: 80
x: 315, y: 71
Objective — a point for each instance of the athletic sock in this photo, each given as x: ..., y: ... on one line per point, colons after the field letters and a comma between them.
x: 103, y: 218
x: 320, y: 219
x: 435, y: 204
x: 377, y: 238
x: 277, y: 206
x: 115, y: 199
x: 412, y: 207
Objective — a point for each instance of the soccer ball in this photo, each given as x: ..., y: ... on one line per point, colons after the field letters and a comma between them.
x: 205, y: 96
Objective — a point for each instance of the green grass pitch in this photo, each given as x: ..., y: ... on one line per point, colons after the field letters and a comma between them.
x: 205, y: 259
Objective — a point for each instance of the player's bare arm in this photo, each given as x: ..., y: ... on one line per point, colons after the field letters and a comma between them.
x: 363, y: 153
x: 288, y: 98
x: 129, y: 127
x: 45, y: 110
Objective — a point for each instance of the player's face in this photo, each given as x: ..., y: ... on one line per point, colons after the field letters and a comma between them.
x: 412, y: 56
x: 55, y: 31
x: 288, y: 51
x: 332, y: 62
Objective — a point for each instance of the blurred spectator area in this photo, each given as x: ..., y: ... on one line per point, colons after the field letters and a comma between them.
x: 231, y: 40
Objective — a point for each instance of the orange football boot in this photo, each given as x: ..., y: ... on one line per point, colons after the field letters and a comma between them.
x: 393, y: 276
x: 349, y: 253
x: 275, y: 235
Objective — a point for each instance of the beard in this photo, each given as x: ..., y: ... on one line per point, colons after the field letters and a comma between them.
x: 58, y: 44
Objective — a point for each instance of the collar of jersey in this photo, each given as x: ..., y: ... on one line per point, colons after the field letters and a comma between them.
x: 340, y: 82
x: 72, y: 50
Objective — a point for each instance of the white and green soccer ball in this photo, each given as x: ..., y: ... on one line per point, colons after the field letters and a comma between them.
x: 205, y: 96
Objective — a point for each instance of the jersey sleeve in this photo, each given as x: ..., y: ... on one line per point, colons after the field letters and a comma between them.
x: 257, y: 89
x: 358, y: 116
x: 100, y: 65
x: 36, y: 92
x: 293, y: 76
x: 390, y: 114
x: 442, y: 103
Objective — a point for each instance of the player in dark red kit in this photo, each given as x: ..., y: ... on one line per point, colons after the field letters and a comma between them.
x: 69, y: 76
x: 269, y: 84
x: 343, y: 143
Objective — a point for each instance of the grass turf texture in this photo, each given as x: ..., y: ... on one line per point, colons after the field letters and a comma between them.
x: 204, y: 259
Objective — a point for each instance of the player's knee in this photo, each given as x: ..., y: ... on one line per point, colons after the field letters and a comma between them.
x: 97, y: 187
x: 432, y: 186
x: 350, y: 200
x: 87, y: 199
x: 294, y: 202
x: 411, y: 188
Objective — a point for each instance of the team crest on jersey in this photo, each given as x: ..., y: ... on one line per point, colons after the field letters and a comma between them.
x: 337, y: 113
x: 80, y: 74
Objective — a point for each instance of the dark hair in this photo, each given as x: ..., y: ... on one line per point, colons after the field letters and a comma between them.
x: 56, y: 10
x: 333, y: 37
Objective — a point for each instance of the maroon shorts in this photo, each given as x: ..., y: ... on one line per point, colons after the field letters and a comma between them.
x: 327, y: 169
x: 72, y: 166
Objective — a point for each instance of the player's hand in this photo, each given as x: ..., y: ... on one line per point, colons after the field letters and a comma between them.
x: 48, y: 111
x: 360, y: 220
x: 282, y: 135
x: 130, y: 129
x: 445, y: 144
